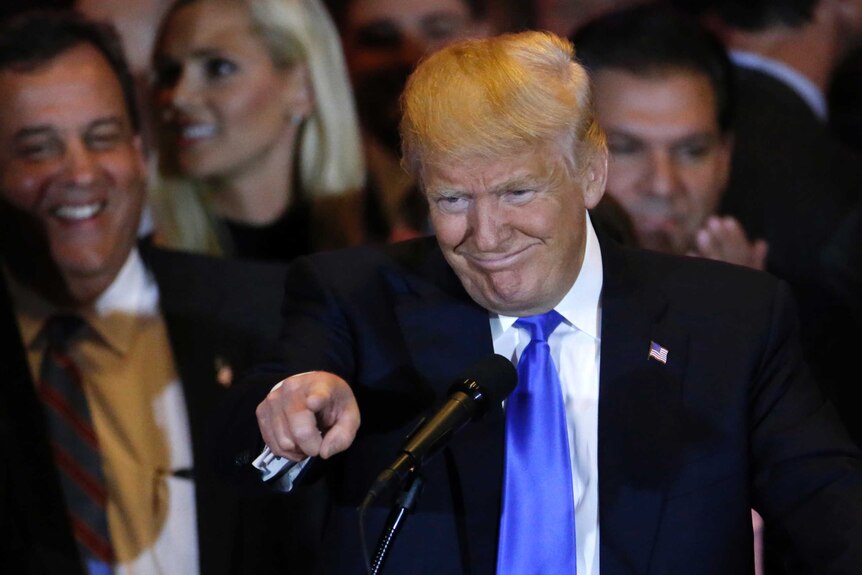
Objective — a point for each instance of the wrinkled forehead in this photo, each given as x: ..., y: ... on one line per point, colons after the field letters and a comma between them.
x: 541, y: 156
x: 74, y: 89
x: 532, y: 167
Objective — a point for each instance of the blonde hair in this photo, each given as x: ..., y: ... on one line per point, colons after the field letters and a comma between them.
x: 498, y: 97
x: 330, y: 148
x: 330, y: 159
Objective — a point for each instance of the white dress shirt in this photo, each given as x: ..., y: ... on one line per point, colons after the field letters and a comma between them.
x: 575, y: 346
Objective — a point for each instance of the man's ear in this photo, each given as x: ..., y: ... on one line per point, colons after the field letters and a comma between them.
x: 595, y: 176
x: 726, y: 154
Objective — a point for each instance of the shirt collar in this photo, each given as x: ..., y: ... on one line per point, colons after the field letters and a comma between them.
x: 580, y: 306
x: 805, y: 88
x: 132, y: 295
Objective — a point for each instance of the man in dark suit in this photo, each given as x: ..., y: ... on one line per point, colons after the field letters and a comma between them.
x: 662, y: 93
x: 791, y: 181
x: 684, y: 398
x: 785, y: 53
x: 162, y: 335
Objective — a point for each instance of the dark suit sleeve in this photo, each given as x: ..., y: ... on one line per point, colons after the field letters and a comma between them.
x: 807, y: 474
x: 314, y: 337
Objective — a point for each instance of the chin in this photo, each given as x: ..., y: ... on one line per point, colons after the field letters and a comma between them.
x: 194, y: 167
x: 512, y: 305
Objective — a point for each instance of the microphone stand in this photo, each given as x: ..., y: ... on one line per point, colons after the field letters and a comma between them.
x: 397, y: 516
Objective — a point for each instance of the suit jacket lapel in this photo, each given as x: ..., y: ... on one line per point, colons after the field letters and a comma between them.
x: 640, y: 415
x: 445, y: 333
x: 194, y: 346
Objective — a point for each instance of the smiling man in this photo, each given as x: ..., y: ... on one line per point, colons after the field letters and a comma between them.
x: 659, y: 399
x: 127, y: 349
x: 73, y: 174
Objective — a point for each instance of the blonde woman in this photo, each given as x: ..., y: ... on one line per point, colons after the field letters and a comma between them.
x: 260, y: 154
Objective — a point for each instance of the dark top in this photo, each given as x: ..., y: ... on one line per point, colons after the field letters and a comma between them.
x: 287, y: 238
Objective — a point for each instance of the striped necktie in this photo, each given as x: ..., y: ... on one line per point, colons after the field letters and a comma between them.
x: 537, y: 525
x: 74, y: 443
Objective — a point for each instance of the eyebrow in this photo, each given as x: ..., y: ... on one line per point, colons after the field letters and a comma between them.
x: 517, y: 183
x: 444, y: 16
x: 33, y: 131
x: 201, y: 53
x: 622, y: 133
x: 207, y: 53
x: 110, y: 121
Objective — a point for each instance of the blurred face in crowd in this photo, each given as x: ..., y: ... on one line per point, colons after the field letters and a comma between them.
x: 513, y: 229
x: 71, y: 176
x: 848, y: 21
x: 384, y: 39
x: 669, y: 161
x: 227, y: 109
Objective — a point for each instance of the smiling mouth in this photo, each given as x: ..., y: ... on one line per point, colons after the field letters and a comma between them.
x: 491, y: 262
x: 197, y: 132
x: 78, y: 212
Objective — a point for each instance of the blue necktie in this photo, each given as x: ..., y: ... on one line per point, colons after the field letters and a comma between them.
x: 537, y: 526
x: 76, y: 448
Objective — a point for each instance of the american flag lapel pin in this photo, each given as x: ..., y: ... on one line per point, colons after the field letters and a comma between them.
x: 224, y: 372
x: 657, y: 352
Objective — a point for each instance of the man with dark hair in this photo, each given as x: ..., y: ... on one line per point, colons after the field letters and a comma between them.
x: 59, y: 34
x: 662, y: 93
x: 123, y: 350
x: 791, y: 181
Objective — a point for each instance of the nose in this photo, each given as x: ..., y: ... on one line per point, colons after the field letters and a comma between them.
x: 179, y: 94
x: 82, y: 167
x: 664, y: 175
x: 489, y: 226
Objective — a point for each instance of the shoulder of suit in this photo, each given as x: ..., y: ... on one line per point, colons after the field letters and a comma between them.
x: 685, y: 272
x: 177, y: 271
x: 408, y: 254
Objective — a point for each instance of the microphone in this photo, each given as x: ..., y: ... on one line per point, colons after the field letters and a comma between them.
x: 489, y: 381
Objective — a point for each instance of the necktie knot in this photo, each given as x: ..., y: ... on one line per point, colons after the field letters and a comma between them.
x: 540, y: 326
x: 59, y: 331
